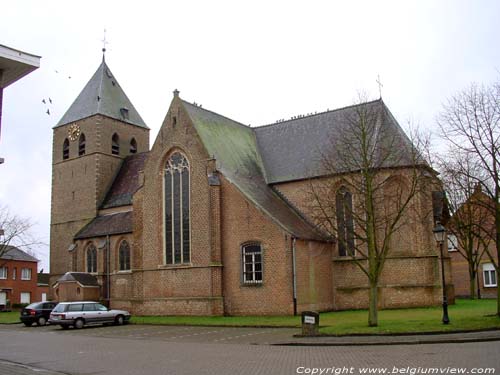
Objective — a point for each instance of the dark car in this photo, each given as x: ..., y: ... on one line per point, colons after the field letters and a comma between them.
x: 38, y: 312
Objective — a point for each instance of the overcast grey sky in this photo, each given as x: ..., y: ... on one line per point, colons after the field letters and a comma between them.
x: 253, y: 61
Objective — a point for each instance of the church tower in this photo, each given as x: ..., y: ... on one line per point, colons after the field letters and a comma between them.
x: 97, y: 132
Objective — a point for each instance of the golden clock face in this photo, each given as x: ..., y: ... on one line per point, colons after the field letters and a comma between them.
x: 73, y: 132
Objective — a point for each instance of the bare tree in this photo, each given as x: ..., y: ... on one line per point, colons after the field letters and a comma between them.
x: 470, y: 122
x: 16, y: 231
x: 470, y: 218
x: 381, y: 172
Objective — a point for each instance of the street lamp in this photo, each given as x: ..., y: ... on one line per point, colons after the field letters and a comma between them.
x: 440, y: 234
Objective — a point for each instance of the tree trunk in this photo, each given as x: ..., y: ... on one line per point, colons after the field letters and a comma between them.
x: 472, y: 282
x: 497, y: 228
x: 373, y: 308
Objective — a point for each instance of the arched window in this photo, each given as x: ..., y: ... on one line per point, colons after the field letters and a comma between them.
x: 133, y: 146
x: 251, y: 257
x: 115, y: 144
x: 345, y: 222
x: 66, y: 149
x: 91, y: 259
x: 124, y: 256
x: 81, y: 145
x: 176, y: 200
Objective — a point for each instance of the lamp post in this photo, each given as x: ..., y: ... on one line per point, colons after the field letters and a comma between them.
x: 439, y: 234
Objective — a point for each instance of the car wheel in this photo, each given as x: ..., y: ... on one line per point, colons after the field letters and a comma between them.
x: 41, y: 321
x: 119, y: 320
x: 79, y: 323
x: 64, y: 326
x: 28, y: 324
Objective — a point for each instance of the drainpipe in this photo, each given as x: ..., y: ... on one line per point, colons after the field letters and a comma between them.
x: 108, y: 271
x: 294, y: 273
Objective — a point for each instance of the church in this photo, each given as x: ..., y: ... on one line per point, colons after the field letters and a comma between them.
x: 213, y: 218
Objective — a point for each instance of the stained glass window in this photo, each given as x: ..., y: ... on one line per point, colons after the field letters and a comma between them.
x: 177, y: 211
x: 124, y: 256
x: 91, y: 259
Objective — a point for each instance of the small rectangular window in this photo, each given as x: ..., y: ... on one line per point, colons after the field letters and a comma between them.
x: 14, y: 273
x: 26, y: 274
x: 3, y: 272
x: 252, y: 264
x: 25, y: 297
x: 452, y: 242
x: 489, y: 275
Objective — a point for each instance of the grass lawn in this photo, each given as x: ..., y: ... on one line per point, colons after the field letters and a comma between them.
x: 9, y: 317
x: 464, y: 315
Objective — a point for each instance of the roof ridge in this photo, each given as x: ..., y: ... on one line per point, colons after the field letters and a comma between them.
x: 215, y: 113
x: 320, y: 113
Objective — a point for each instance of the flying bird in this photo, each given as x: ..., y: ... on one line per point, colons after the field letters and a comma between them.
x: 48, y: 112
x: 50, y: 100
x: 43, y: 101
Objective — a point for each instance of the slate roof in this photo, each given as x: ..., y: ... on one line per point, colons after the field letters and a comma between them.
x: 13, y: 253
x: 107, y: 225
x: 295, y: 149
x: 126, y: 181
x: 83, y: 278
x: 104, y: 96
x: 234, y: 147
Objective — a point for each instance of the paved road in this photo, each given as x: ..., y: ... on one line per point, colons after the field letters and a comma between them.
x: 141, y: 350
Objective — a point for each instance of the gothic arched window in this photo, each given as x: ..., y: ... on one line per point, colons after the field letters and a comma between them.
x: 66, y: 149
x: 345, y: 222
x: 81, y: 145
x: 91, y: 259
x: 133, y: 146
x: 115, y: 144
x: 176, y: 200
x: 124, y: 256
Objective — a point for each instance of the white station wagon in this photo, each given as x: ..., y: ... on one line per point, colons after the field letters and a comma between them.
x: 79, y: 314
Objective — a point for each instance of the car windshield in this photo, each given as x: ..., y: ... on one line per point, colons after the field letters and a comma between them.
x: 33, y: 306
x: 60, y: 308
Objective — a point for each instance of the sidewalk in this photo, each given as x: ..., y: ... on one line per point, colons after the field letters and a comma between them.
x: 359, y: 340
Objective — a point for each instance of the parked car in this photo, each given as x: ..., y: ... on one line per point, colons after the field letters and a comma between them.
x: 79, y: 314
x: 38, y: 312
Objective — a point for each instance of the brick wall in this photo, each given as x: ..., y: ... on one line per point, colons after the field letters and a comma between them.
x: 15, y: 286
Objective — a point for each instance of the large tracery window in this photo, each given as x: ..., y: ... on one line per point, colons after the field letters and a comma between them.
x: 177, y: 223
x: 345, y: 222
x: 91, y: 259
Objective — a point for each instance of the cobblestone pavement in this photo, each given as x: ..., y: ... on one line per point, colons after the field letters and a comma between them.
x: 131, y: 350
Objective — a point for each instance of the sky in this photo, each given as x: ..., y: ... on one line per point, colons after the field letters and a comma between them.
x: 254, y: 61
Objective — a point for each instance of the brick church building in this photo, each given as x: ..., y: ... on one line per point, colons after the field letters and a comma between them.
x: 213, y: 218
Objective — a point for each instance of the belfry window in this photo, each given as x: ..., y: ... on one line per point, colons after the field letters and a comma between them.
x: 115, y: 144
x: 91, y: 259
x: 252, y: 263
x: 345, y: 222
x: 133, y: 146
x: 177, y: 211
x: 124, y: 256
x: 81, y: 145
x: 66, y: 149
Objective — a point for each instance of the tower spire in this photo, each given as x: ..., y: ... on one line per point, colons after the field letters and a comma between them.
x: 104, y: 42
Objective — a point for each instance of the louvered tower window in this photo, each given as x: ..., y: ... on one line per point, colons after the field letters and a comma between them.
x: 177, y: 213
x: 133, y: 146
x: 115, y: 144
x: 66, y: 149
x: 345, y: 222
x: 81, y: 145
